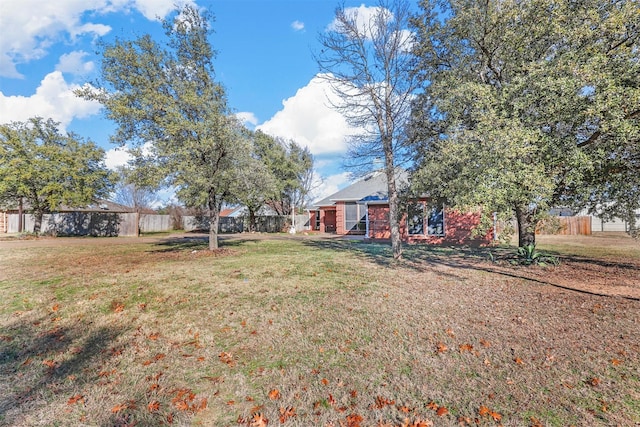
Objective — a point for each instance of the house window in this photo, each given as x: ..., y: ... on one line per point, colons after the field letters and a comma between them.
x: 355, y: 218
x: 317, y: 220
x: 415, y: 218
x: 419, y: 216
x: 436, y: 222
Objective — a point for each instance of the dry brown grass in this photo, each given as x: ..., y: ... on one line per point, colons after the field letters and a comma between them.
x: 307, y: 332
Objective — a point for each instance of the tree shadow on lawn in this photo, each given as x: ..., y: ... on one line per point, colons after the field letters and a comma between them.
x: 40, y: 361
x: 496, y: 260
x: 200, y: 243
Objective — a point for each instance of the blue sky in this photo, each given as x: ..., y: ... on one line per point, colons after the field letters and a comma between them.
x: 265, y: 62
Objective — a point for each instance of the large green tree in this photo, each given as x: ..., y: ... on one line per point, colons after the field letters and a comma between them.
x: 166, y: 102
x: 529, y: 104
x: 291, y: 168
x: 46, y: 168
x: 367, y: 61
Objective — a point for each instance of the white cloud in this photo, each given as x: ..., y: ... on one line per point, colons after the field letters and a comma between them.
x: 35, y: 25
x: 363, y: 18
x: 247, y: 117
x: 297, y: 25
x: 117, y: 157
x: 308, y: 119
x: 152, y: 9
x: 329, y: 185
x: 73, y: 63
x: 53, y: 99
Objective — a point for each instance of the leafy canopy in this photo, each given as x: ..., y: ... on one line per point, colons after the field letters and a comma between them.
x: 168, y: 105
x: 528, y: 105
x: 47, y: 168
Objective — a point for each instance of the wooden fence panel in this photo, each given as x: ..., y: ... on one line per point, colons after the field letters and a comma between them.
x: 575, y: 225
x: 152, y: 223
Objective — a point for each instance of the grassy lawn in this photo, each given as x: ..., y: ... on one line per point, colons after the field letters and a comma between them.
x: 306, y: 332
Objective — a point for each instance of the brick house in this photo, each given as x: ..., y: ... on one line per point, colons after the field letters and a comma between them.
x: 363, y: 209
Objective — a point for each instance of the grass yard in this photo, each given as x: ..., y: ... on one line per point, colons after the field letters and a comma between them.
x: 301, y: 332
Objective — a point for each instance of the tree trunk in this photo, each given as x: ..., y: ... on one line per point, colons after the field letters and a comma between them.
x: 214, y: 220
x: 252, y: 220
x: 394, y: 222
x: 20, y: 216
x: 37, y: 223
x: 526, y: 226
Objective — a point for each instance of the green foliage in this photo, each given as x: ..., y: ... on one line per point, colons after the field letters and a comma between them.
x: 166, y: 103
x: 516, y: 120
x: 45, y: 168
x: 290, y: 167
x: 528, y: 255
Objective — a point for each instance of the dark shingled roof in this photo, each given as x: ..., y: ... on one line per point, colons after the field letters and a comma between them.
x: 372, y: 188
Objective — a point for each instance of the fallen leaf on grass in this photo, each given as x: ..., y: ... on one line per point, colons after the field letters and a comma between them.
x: 153, y: 406
x: 433, y: 406
x: 117, y: 306
x: 442, y: 411
x: 485, y: 343
x: 325, y: 381
x: 593, y: 381
x: 259, y: 420
x: 49, y: 363
x: 227, y: 358
x: 484, y: 411
x: 465, y: 347
x: 381, y: 402
x: 518, y: 361
x: 354, y: 420
x: 417, y: 423
x: 55, y: 307
x: 119, y: 408
x: 616, y: 362
x: 181, y: 405
x: 535, y: 422
x: 441, y: 347
x: 75, y: 399
x: 331, y: 400
x: 286, y: 413
x: 274, y: 394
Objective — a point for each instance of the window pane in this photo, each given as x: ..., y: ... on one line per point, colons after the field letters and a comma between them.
x: 436, y: 222
x: 415, y: 218
x: 355, y: 217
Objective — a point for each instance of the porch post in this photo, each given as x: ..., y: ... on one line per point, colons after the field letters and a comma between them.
x: 366, y: 220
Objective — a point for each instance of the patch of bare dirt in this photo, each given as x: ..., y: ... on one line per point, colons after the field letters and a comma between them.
x: 584, y: 275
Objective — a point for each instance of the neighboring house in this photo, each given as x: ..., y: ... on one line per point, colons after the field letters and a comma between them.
x: 363, y: 209
x: 235, y: 212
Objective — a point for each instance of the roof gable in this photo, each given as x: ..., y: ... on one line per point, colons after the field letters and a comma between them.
x: 369, y: 189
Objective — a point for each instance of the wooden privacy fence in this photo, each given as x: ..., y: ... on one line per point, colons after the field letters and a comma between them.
x: 127, y: 224
x: 263, y: 224
x: 104, y: 224
x: 566, y: 225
